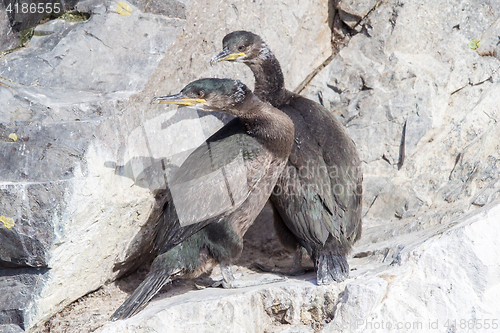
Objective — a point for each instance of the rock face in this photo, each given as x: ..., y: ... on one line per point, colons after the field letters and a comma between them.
x: 299, y: 303
x: 415, y: 83
x: 443, y: 278
x: 436, y: 279
x: 85, y: 156
x: 70, y: 210
x: 409, y: 88
x: 17, y: 16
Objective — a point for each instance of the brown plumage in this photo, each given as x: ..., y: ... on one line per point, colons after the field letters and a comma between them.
x: 318, y: 197
x: 219, y: 190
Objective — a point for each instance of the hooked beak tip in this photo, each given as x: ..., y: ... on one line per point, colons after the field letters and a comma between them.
x: 226, y: 55
x: 178, y: 99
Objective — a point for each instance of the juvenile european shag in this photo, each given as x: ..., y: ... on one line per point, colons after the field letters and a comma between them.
x: 219, y: 190
x: 318, y: 197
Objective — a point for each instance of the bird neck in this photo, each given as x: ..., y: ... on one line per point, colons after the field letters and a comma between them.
x: 273, y: 128
x: 269, y: 81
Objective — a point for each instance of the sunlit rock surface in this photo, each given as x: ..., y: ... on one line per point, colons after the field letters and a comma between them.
x: 415, y: 83
x: 81, y: 179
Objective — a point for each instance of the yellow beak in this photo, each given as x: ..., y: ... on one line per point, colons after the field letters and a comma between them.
x: 178, y: 99
x: 225, y: 55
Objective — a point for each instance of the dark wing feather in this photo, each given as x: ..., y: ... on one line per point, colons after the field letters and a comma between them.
x: 211, y: 183
x: 340, y: 155
x: 324, y: 175
x: 300, y: 196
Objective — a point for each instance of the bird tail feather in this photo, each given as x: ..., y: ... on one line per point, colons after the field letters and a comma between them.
x: 331, y: 267
x: 146, y: 290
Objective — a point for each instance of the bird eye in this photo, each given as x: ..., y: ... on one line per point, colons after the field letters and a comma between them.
x: 241, y: 48
x: 201, y: 93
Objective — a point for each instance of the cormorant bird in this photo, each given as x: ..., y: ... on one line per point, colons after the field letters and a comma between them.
x: 318, y: 197
x: 219, y: 190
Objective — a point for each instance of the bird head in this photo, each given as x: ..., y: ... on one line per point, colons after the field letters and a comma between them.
x: 241, y: 46
x: 209, y: 95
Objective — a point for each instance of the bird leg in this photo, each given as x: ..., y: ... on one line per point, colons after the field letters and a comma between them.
x: 297, y: 263
x: 227, y: 281
x: 227, y: 276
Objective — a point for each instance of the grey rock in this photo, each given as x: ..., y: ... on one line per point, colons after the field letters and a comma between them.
x: 170, y: 8
x: 83, y: 180
x: 421, y: 105
x: 442, y: 274
x: 65, y: 117
x: 294, y: 306
x: 388, y: 78
x: 489, y: 41
x: 79, y: 55
x: 21, y: 15
x: 399, y: 283
x: 8, y: 39
x: 351, y: 11
x: 33, y: 207
x: 17, y: 286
